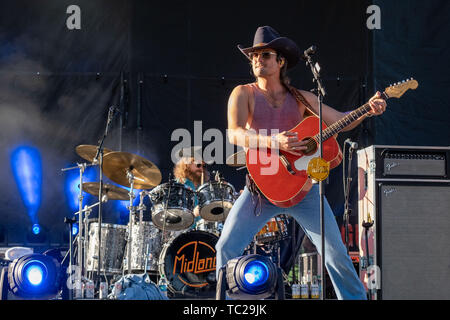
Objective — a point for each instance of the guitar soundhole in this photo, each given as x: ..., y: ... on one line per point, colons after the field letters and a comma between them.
x: 311, y: 146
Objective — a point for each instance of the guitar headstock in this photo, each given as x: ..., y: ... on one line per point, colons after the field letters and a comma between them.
x: 398, y: 89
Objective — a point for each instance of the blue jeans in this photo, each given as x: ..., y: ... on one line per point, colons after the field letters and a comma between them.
x: 242, y: 224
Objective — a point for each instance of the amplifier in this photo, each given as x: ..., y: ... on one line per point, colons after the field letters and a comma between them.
x: 407, y: 162
x: 404, y: 221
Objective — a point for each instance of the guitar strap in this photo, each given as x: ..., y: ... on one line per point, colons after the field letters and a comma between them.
x: 301, y: 99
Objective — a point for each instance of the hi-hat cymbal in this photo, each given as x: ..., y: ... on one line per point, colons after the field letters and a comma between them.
x: 117, y: 164
x: 111, y: 191
x: 237, y: 159
x: 88, y: 152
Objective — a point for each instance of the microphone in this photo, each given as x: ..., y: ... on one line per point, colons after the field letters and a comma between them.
x: 309, y: 52
x: 114, y: 110
x: 353, y: 145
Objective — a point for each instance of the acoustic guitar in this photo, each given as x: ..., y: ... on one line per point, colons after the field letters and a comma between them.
x: 282, y: 176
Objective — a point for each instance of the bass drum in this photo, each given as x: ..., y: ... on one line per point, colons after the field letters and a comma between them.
x: 188, y: 262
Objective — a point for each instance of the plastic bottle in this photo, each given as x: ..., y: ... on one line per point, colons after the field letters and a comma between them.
x: 304, y: 289
x: 162, y: 284
x: 315, y: 289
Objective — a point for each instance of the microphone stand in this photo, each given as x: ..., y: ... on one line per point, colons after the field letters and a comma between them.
x: 315, y: 69
x: 99, y: 158
x: 347, y: 181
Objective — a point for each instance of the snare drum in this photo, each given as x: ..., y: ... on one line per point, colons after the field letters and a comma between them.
x: 188, y: 262
x: 113, y: 242
x: 172, y: 206
x: 275, y: 229
x: 215, y: 200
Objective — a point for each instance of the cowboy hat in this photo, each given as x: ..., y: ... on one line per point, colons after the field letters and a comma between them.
x: 267, y: 37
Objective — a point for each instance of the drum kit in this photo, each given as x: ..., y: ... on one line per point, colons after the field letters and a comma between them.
x: 167, y: 245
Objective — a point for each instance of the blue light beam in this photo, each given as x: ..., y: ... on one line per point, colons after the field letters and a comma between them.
x: 26, y: 166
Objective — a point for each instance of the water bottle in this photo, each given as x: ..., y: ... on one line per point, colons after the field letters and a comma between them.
x: 162, y: 284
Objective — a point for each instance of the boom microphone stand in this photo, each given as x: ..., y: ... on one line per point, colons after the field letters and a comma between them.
x: 320, y: 91
x: 99, y: 158
x: 347, y: 181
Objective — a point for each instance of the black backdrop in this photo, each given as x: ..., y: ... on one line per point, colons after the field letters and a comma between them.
x: 168, y: 64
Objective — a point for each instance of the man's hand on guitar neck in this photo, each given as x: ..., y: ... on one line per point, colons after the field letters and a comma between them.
x: 377, y: 104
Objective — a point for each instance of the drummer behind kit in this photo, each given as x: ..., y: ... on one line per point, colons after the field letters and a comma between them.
x: 166, y: 245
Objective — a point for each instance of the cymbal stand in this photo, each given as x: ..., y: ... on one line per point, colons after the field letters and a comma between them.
x: 132, y: 210
x: 219, y: 179
x: 141, y: 209
x: 80, y: 236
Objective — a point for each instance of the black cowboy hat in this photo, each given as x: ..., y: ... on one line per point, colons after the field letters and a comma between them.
x: 267, y: 37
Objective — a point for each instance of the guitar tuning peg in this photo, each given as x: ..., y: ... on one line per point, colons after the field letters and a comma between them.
x: 403, y: 81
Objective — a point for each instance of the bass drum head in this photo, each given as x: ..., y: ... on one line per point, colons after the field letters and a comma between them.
x: 189, y: 264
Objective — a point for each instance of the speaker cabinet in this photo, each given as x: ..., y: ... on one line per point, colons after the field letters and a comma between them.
x: 405, y: 252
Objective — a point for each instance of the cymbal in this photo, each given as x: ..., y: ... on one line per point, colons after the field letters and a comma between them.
x: 236, y: 159
x: 116, y: 165
x: 111, y: 191
x: 88, y: 152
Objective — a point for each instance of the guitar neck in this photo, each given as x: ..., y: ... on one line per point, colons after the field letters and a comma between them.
x: 339, y: 125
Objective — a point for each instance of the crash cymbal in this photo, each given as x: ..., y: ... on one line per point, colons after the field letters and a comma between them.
x: 111, y: 191
x: 88, y: 152
x: 116, y: 165
x: 237, y: 159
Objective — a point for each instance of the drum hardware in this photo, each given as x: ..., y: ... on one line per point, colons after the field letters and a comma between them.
x: 132, y: 171
x: 188, y: 262
x: 132, y: 210
x: 112, y: 248
x: 237, y: 160
x: 215, y: 199
x: 86, y: 152
x: 119, y: 164
x: 89, y: 152
x: 275, y: 230
x: 111, y: 192
x: 172, y: 206
x: 99, y: 157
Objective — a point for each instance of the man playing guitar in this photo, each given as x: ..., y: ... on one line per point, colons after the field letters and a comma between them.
x: 256, y: 109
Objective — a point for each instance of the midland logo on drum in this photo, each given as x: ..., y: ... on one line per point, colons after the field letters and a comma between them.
x: 214, y: 152
x: 194, y: 257
x: 186, y: 261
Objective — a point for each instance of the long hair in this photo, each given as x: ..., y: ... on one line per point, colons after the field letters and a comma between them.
x: 182, y: 172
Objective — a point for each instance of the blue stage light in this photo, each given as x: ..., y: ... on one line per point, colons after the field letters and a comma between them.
x: 35, y: 272
x: 34, y: 276
x: 36, y: 229
x: 256, y: 273
x: 75, y: 229
x: 251, y: 277
x: 27, y: 170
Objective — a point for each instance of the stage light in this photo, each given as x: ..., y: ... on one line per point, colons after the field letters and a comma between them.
x: 75, y: 229
x: 250, y: 277
x: 36, y: 234
x: 36, y: 229
x: 27, y: 170
x: 34, y: 276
